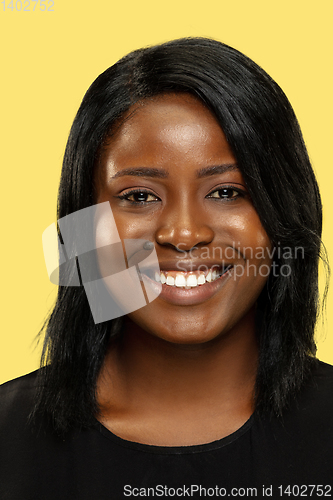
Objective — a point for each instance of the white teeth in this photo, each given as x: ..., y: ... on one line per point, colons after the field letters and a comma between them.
x: 170, y: 280
x: 180, y: 280
x: 192, y: 280
x: 187, y: 281
x: 201, y: 279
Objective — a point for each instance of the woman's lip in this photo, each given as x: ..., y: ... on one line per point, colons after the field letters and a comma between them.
x: 196, y: 295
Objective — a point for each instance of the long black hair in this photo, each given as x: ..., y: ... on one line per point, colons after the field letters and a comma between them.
x: 265, y: 137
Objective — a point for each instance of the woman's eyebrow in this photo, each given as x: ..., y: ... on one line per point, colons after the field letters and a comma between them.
x: 216, y: 169
x: 142, y: 172
x: 161, y: 173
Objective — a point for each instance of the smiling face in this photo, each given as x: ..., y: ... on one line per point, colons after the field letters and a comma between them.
x: 171, y: 178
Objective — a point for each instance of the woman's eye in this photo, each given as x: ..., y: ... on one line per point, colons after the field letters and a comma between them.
x: 139, y: 197
x: 225, y: 193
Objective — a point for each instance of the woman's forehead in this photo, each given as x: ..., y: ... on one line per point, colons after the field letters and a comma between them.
x: 167, y: 127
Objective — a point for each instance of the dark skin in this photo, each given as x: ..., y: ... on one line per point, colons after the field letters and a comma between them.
x: 182, y: 373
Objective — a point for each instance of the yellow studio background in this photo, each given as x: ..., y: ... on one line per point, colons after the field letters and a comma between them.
x: 48, y: 60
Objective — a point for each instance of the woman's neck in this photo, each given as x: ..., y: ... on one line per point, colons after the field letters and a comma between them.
x: 155, y: 392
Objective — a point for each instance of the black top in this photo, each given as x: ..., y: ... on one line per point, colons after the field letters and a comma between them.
x: 266, y: 457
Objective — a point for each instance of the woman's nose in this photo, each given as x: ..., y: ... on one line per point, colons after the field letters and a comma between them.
x: 183, y: 227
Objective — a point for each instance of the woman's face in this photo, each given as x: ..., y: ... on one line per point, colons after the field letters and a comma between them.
x: 171, y: 178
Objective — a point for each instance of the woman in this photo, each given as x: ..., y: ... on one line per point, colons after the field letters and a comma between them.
x: 212, y: 388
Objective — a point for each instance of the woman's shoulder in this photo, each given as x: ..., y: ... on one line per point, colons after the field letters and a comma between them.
x: 320, y: 383
x: 315, y: 400
x: 17, y: 398
x: 23, y: 381
x: 19, y: 385
x: 323, y: 369
x: 309, y: 413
